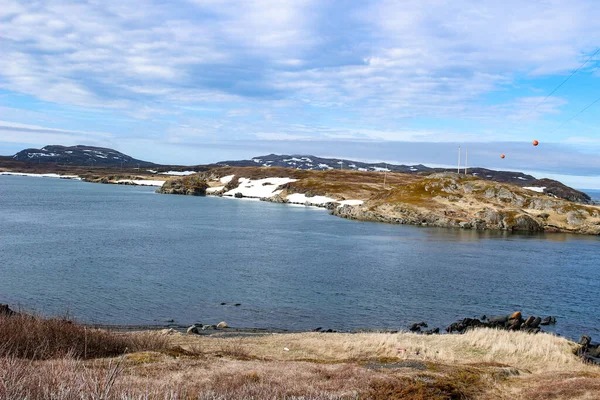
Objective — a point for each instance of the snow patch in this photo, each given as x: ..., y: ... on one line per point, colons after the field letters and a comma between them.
x: 74, y: 177
x: 226, y: 179
x: 178, y: 173
x: 259, y: 188
x: 299, y: 198
x: 535, y: 189
x: 379, y: 169
x: 325, y: 166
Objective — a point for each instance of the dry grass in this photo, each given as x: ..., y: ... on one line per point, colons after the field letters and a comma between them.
x: 38, y: 338
x: 535, y: 353
x: 481, y: 364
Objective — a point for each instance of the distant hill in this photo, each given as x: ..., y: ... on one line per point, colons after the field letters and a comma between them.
x: 308, y: 162
x: 79, y: 155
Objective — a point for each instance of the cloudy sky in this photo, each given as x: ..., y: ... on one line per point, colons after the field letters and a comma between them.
x: 198, y: 81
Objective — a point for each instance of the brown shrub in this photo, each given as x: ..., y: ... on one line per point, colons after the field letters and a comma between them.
x: 37, y: 338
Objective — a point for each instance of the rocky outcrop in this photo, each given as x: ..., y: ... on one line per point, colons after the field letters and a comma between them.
x: 190, y: 185
x: 589, y: 352
x: 513, y: 322
x: 452, y: 200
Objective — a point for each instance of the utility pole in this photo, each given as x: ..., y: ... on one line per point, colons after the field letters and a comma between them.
x: 466, y: 160
x: 458, y: 169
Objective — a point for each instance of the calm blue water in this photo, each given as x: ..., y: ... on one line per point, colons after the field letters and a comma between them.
x: 125, y: 255
x: 594, y: 194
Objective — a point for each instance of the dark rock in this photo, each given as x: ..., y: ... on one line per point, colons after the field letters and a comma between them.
x: 528, y: 322
x: 223, y: 304
x: 514, y: 324
x: 238, y: 195
x: 237, y: 304
x: 5, y: 310
x: 464, y: 325
x: 536, y: 322
x: 483, y: 317
x: 497, y: 321
x: 585, y: 340
x: 194, y: 329
x: 317, y: 329
x: 548, y: 321
x: 432, y: 331
x: 416, y: 327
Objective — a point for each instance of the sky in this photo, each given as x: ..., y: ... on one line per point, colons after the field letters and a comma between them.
x: 199, y: 81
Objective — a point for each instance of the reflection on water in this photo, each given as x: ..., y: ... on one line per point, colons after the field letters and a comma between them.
x: 124, y: 255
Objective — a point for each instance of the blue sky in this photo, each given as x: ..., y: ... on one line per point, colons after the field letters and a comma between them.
x: 199, y: 81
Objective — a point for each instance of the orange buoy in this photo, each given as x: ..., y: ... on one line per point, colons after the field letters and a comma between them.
x: 535, y: 142
x: 502, y: 156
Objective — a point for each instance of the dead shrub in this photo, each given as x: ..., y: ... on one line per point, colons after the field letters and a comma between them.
x: 234, y: 349
x: 37, y: 338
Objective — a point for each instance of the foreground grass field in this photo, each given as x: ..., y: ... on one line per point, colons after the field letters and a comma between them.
x: 481, y: 364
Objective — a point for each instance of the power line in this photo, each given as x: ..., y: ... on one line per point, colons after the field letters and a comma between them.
x: 559, y: 86
x: 576, y: 115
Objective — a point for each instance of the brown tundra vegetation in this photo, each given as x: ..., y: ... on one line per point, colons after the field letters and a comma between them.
x: 54, y: 358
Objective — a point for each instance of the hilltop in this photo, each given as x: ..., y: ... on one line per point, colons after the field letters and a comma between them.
x: 79, y: 155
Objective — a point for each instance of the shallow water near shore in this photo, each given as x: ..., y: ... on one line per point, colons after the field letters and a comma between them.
x: 113, y: 254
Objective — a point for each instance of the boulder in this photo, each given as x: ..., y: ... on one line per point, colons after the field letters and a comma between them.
x: 585, y: 340
x: 548, y: 321
x: 222, y: 325
x: 191, y: 185
x: 529, y: 321
x: 5, y: 310
x: 238, y: 195
x: 515, y: 315
x: 194, y: 329
x: 416, y: 327
x: 536, y: 322
x: 497, y: 321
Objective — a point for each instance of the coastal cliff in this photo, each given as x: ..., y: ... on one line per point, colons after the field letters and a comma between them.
x: 458, y: 201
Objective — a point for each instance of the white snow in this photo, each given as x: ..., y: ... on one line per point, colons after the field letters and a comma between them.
x: 141, y: 182
x: 149, y: 170
x: 362, y: 169
x: 535, y: 189
x: 215, y: 189
x: 523, y: 179
x: 325, y: 166
x: 101, y: 156
x: 226, y: 179
x: 306, y: 159
x: 299, y: 198
x: 178, y: 173
x: 31, y: 155
x: 75, y: 177
x: 379, y: 169
x: 413, y: 169
x: 68, y: 152
x: 259, y: 188
x: 293, y: 159
x: 257, y: 160
x: 352, y: 165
